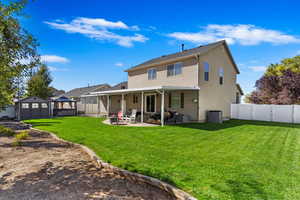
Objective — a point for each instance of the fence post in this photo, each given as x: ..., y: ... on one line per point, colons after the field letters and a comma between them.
x: 252, y: 111
x: 293, y: 111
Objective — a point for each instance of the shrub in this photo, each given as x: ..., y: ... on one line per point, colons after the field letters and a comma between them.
x: 23, y: 135
x: 16, y: 143
x: 6, y: 131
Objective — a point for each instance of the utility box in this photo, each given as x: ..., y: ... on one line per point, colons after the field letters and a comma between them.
x: 214, y: 116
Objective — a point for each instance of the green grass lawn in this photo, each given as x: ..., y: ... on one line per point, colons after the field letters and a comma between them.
x: 233, y: 160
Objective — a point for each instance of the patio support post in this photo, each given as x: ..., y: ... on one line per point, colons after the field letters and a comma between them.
x: 107, y: 105
x: 122, y: 105
x: 98, y: 107
x: 142, y: 107
x: 162, y: 108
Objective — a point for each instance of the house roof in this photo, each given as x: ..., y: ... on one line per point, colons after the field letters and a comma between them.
x: 77, y: 92
x: 185, y: 54
x: 240, y: 89
x: 119, y: 86
x: 146, y: 89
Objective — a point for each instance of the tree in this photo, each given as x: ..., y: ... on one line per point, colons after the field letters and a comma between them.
x: 38, y: 84
x: 18, y: 53
x: 279, y: 85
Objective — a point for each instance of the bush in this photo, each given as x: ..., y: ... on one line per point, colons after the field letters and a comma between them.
x: 16, y: 143
x: 23, y: 135
x: 6, y: 131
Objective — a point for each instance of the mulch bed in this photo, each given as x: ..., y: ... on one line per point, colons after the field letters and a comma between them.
x: 44, y: 168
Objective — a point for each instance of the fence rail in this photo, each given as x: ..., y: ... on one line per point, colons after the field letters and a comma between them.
x: 274, y: 113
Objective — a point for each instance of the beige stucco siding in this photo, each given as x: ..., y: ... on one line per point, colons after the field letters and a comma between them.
x: 188, y: 77
x: 212, y: 95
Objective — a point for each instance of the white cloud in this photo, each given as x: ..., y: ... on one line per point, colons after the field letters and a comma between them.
x: 240, y: 34
x: 100, y: 29
x: 55, y: 69
x: 54, y: 59
x: 258, y: 68
x: 119, y: 64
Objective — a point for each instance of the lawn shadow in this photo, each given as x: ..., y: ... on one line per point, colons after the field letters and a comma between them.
x: 38, y: 144
x: 239, y: 189
x: 48, y: 123
x: 234, y: 123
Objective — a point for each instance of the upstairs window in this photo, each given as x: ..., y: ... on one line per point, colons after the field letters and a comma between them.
x: 221, y: 76
x: 206, y: 71
x: 151, y: 74
x: 174, y: 69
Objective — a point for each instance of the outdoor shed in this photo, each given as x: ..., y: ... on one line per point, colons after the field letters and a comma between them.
x: 32, y: 108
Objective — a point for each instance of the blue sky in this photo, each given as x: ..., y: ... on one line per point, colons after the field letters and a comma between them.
x: 93, y: 41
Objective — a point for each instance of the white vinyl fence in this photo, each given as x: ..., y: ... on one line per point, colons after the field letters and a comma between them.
x: 274, y: 113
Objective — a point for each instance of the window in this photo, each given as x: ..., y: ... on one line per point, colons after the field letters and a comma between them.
x: 206, y: 71
x: 174, y: 69
x: 25, y: 105
x: 151, y: 74
x: 150, y: 103
x: 135, y: 99
x: 182, y: 100
x: 221, y: 76
x: 176, y: 100
x: 35, y: 105
x: 44, y: 105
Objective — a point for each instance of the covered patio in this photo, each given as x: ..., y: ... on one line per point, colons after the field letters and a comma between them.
x: 152, y: 105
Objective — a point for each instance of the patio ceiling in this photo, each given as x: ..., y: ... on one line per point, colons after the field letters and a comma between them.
x: 134, y: 90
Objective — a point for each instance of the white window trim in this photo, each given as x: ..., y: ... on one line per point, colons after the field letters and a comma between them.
x: 155, y: 74
x: 174, y: 69
x: 221, y: 71
x: 204, y: 70
x: 154, y: 102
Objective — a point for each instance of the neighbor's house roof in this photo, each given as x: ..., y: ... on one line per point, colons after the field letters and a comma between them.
x: 77, y: 92
x: 185, y: 54
x: 240, y: 89
x: 119, y: 86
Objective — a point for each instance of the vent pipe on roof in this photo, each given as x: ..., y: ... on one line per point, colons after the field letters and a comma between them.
x: 182, y: 47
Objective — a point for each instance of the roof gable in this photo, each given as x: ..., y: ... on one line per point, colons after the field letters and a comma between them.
x: 184, y: 54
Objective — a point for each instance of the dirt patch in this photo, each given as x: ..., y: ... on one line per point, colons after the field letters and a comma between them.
x: 44, y: 168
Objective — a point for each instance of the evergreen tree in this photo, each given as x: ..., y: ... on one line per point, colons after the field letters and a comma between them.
x: 39, y: 83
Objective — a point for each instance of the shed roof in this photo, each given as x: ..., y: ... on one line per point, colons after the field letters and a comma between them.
x: 185, y: 54
x: 63, y: 99
x: 33, y: 99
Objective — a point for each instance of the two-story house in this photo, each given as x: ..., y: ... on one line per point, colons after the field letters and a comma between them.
x: 190, y: 82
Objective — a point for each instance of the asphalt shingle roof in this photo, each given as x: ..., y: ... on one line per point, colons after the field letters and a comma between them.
x: 77, y: 92
x: 188, y: 52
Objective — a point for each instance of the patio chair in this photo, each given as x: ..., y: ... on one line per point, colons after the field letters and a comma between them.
x: 131, y: 118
